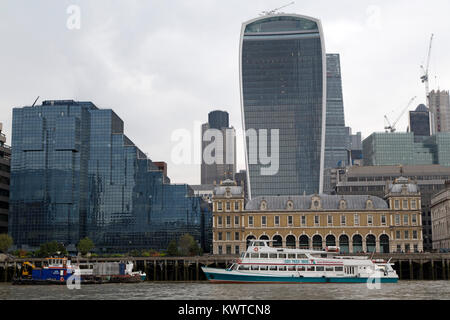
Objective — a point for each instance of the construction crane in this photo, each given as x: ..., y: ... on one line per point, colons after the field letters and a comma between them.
x: 391, y: 127
x: 425, y: 76
x: 35, y: 101
x: 267, y: 13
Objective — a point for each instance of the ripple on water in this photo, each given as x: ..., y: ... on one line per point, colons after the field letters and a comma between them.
x: 411, y: 290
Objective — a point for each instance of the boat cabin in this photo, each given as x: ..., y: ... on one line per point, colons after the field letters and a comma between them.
x: 57, y: 262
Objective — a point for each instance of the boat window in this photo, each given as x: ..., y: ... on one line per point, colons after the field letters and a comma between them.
x: 310, y: 268
x: 263, y: 267
x: 247, y: 255
x: 301, y: 256
x: 272, y: 255
x: 282, y: 255
x: 291, y: 255
x: 329, y: 269
x: 338, y: 269
x: 319, y: 268
x: 281, y: 268
x: 243, y: 267
x: 263, y: 255
x: 255, y: 267
x: 323, y: 255
x: 301, y: 268
x: 291, y: 268
x: 243, y: 255
x: 273, y: 268
x: 255, y: 255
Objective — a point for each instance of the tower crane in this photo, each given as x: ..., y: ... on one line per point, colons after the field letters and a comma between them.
x: 425, y: 76
x: 275, y: 10
x: 391, y: 127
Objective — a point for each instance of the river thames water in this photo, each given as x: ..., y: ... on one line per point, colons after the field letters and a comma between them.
x: 404, y: 290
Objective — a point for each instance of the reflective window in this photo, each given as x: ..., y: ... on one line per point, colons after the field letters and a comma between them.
x: 282, y: 89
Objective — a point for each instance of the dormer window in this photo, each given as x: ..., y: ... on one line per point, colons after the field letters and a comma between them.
x: 228, y: 193
x: 342, y: 204
x: 263, y: 205
x: 290, y: 205
x: 316, y: 203
x: 369, y: 204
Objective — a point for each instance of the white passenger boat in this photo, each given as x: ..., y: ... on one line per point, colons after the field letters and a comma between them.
x: 264, y: 264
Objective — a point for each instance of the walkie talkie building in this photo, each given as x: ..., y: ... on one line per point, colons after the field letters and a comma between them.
x: 283, y: 86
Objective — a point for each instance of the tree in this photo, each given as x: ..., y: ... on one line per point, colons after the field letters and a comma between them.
x: 188, y: 246
x: 85, y: 245
x: 5, y: 242
x: 172, y: 248
x: 52, y: 248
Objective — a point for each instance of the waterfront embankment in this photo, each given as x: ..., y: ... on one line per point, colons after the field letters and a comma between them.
x: 409, y: 266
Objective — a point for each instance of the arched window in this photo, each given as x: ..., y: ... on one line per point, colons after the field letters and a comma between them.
x: 304, y: 241
x: 343, y: 244
x: 250, y: 237
x: 315, y: 203
x: 371, y: 243
x: 264, y: 237
x: 317, y: 242
x: 384, y: 243
x: 290, y: 241
x: 357, y: 243
x: 330, y: 240
x: 277, y: 241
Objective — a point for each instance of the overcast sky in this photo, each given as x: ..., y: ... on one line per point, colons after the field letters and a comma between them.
x: 162, y: 65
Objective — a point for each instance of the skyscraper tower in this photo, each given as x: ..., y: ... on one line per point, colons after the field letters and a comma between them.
x: 337, y: 138
x: 283, y: 86
x: 419, y: 122
x: 226, y: 167
x: 440, y: 110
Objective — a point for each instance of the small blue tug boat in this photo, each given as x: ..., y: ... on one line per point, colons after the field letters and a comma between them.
x: 60, y: 270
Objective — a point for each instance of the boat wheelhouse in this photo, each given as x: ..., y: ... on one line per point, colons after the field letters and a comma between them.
x: 264, y: 264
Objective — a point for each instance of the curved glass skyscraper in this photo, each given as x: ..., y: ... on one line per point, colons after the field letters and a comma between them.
x: 283, y: 86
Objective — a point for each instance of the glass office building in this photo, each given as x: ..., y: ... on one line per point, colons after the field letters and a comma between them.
x: 382, y: 149
x: 74, y: 173
x: 283, y: 86
x: 419, y: 123
x: 337, y: 137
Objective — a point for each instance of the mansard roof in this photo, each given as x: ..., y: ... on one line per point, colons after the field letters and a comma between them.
x: 328, y: 202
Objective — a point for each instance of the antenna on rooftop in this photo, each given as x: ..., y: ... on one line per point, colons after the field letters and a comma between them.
x: 268, y: 13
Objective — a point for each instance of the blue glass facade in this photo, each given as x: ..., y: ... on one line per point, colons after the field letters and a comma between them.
x: 74, y: 174
x: 337, y: 138
x: 283, y: 86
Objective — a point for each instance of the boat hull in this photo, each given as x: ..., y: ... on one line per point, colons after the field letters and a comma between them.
x: 222, y: 276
